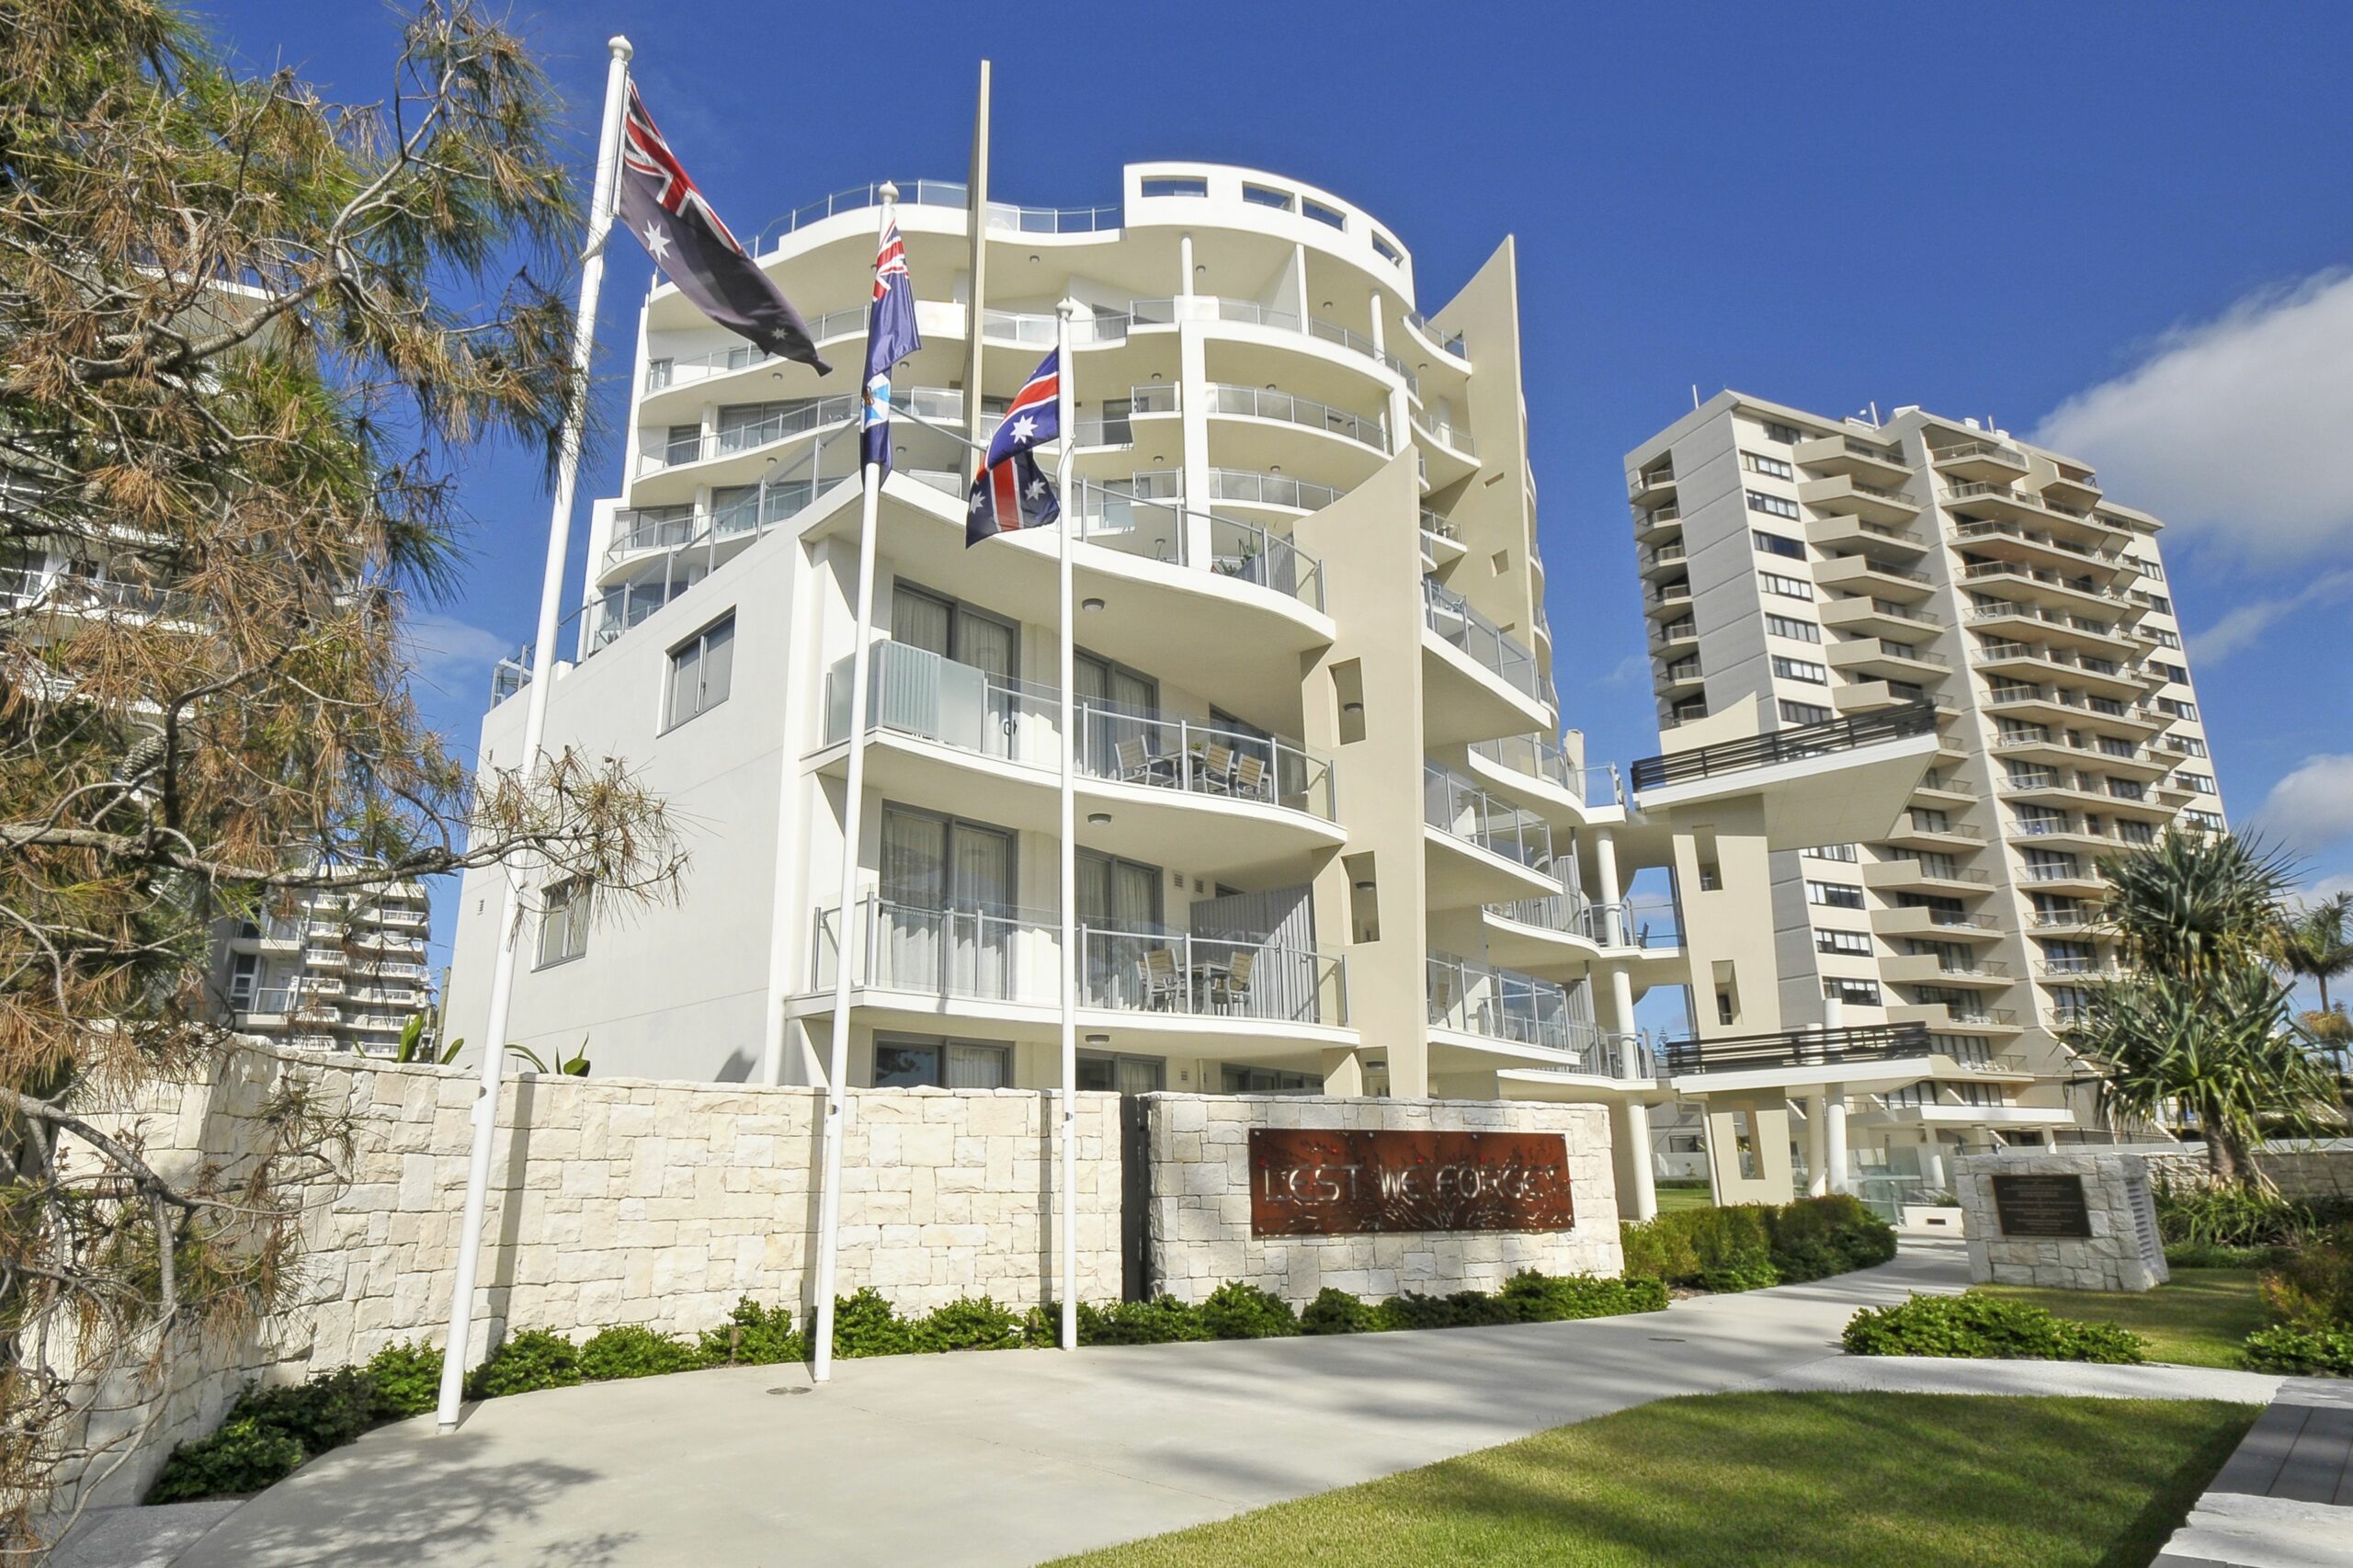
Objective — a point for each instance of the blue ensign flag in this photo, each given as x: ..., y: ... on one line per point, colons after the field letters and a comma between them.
x: 889, y: 337
x: 1011, y: 491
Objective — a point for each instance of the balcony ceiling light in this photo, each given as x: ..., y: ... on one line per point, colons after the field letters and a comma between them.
x: 1098, y: 1039
x: 1351, y: 707
x: 1090, y: 604
x: 1098, y: 819
x: 1364, y: 887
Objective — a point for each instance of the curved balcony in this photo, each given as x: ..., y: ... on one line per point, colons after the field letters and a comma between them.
x: 1152, y: 787
x: 1535, y: 772
x: 1478, y: 1013
x: 1277, y: 493
x: 1556, y: 936
x: 1477, y: 681
x: 1479, y: 849
x: 916, y: 962
x: 1003, y: 217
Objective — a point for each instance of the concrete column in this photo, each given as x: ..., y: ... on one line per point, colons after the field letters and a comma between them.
x: 1183, y: 267
x: 1817, y: 1145
x: 1834, y: 1126
x: 1933, y: 1165
x: 1343, y: 1072
x: 1637, y: 1182
x: 1604, y: 869
x: 1193, y: 423
x: 2050, y: 1138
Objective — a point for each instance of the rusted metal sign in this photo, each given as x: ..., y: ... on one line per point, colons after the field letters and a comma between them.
x: 1332, y: 1183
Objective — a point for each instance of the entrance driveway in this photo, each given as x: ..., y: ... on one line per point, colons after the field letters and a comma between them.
x: 1008, y: 1458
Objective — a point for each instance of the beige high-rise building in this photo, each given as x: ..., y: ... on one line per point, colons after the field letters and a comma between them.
x: 1802, y: 570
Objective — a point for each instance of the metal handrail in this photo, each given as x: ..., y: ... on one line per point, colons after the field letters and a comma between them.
x: 1504, y: 1004
x: 1259, y: 402
x: 1450, y: 616
x: 1252, y: 488
x: 1543, y: 757
x: 1460, y: 809
x: 1785, y: 745
x: 1799, y: 1048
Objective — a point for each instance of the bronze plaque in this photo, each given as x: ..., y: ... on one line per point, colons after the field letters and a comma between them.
x: 2051, y: 1206
x: 1331, y: 1183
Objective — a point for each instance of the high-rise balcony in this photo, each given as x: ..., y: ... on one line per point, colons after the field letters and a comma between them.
x: 1930, y: 876
x: 1932, y: 969
x: 1652, y: 486
x: 1864, y: 462
x: 1899, y: 923
x: 2040, y: 547
x: 1223, y: 400
x: 1659, y: 558
x: 2096, y: 675
x: 1880, y: 578
x: 1478, y: 1010
x: 1479, y: 848
x: 1479, y: 681
x: 2069, y: 486
x: 1847, y: 533
x: 1991, y: 464
x: 1859, y: 1057
x: 1852, y: 497
x: 1169, y: 789
x: 2014, y: 620
x: 1537, y: 772
x: 1866, y: 615
x: 2078, y: 593
x: 917, y: 958
x: 1886, y: 658
x: 1658, y: 523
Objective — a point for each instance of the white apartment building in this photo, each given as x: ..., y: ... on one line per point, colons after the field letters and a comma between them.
x: 1799, y: 571
x: 340, y: 972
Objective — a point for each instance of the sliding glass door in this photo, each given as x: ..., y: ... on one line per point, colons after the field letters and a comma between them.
x: 946, y: 922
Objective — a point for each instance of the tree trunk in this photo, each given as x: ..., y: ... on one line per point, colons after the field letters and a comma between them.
x: 2224, y: 1155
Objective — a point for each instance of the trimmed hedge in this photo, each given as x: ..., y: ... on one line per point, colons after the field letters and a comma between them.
x: 271, y: 1431
x: 1986, y: 1327
x: 1749, y: 1246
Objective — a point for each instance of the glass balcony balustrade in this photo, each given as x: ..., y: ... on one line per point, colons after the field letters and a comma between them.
x: 1539, y: 757
x: 1458, y: 808
x: 1519, y: 1009
x: 1451, y: 616
x: 997, y: 954
x: 917, y: 692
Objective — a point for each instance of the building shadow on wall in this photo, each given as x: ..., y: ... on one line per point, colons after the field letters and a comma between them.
x: 507, y: 1178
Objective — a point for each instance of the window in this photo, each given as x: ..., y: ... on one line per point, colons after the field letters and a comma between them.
x: 1833, y: 895
x: 1322, y: 213
x: 2165, y: 639
x: 1266, y: 195
x: 954, y: 630
x: 2187, y: 746
x: 1803, y: 712
x: 1796, y: 630
x: 1785, y: 433
x: 941, y: 1065
x: 2174, y: 673
x: 682, y: 444
x: 1801, y: 669
x: 2179, y: 709
x: 1832, y: 852
x: 1386, y: 248
x: 2210, y: 820
x: 1927, y: 819
x: 658, y: 373
x: 1176, y: 185
x: 1691, y: 708
x: 1858, y: 992
x: 1855, y: 942
x: 2157, y: 602
x: 1788, y: 587
x: 1269, y: 1081
x: 1755, y: 463
x: 1724, y: 1007
x: 702, y: 668
x: 564, y: 921
x: 1772, y: 506
x: 1685, y: 1143
x: 1102, y: 1072
x: 1777, y: 544
x: 2201, y: 782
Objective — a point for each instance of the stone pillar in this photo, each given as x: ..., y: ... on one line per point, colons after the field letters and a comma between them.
x: 1833, y: 1127
x: 1637, y: 1183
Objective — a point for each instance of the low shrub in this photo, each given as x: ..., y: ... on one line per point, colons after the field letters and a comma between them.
x: 1556, y: 1298
x: 1749, y: 1246
x: 1236, y: 1311
x: 1162, y: 1321
x: 530, y: 1360
x: 976, y: 1323
x: 2240, y: 1216
x: 633, y: 1350
x: 1986, y: 1327
x: 2311, y: 1286
x: 325, y: 1413
x: 2307, y: 1352
x: 2201, y: 1254
x: 406, y: 1377
x: 1335, y: 1310
x: 866, y: 1324
x: 753, y: 1335
x: 243, y: 1455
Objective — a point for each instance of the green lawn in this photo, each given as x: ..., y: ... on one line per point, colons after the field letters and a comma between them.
x: 1673, y: 1198
x: 1784, y: 1479
x: 2198, y: 1320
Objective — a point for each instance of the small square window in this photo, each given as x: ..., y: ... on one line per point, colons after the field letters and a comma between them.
x: 564, y: 921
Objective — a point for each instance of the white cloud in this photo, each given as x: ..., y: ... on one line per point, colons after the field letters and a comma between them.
x: 2235, y: 425
x: 450, y: 653
x: 1628, y: 670
x: 2249, y: 621
x: 2311, y: 808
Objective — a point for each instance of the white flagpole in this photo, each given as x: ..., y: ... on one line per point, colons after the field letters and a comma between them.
x: 1067, y: 403
x: 535, y: 716
x: 829, y: 1198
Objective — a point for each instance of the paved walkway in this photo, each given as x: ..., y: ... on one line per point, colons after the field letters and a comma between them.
x: 1010, y: 1458
x: 2285, y: 1500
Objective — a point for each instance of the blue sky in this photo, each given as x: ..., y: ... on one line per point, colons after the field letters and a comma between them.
x: 2124, y: 227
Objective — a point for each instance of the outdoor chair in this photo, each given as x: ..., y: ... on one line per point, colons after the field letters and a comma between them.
x: 1163, y: 987
x: 1250, y: 776
x: 1215, y: 768
x: 1230, y: 987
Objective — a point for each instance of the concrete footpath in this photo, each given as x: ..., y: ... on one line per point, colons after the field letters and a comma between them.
x: 1008, y: 1458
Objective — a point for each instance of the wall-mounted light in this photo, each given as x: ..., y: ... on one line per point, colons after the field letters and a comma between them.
x: 1098, y: 819
x: 1351, y: 708
x: 1090, y: 604
x: 1364, y: 887
x: 1098, y: 1039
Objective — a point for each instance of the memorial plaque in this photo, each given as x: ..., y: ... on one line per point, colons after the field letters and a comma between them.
x: 1332, y: 1183
x: 2047, y: 1206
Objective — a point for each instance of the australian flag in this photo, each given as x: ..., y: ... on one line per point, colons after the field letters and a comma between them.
x: 889, y: 337
x: 694, y: 249
x: 1011, y: 491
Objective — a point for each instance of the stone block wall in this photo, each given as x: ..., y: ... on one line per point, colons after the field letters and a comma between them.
x: 2122, y: 1252
x: 2307, y: 1171
x: 620, y: 1201
x: 1199, y: 1217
